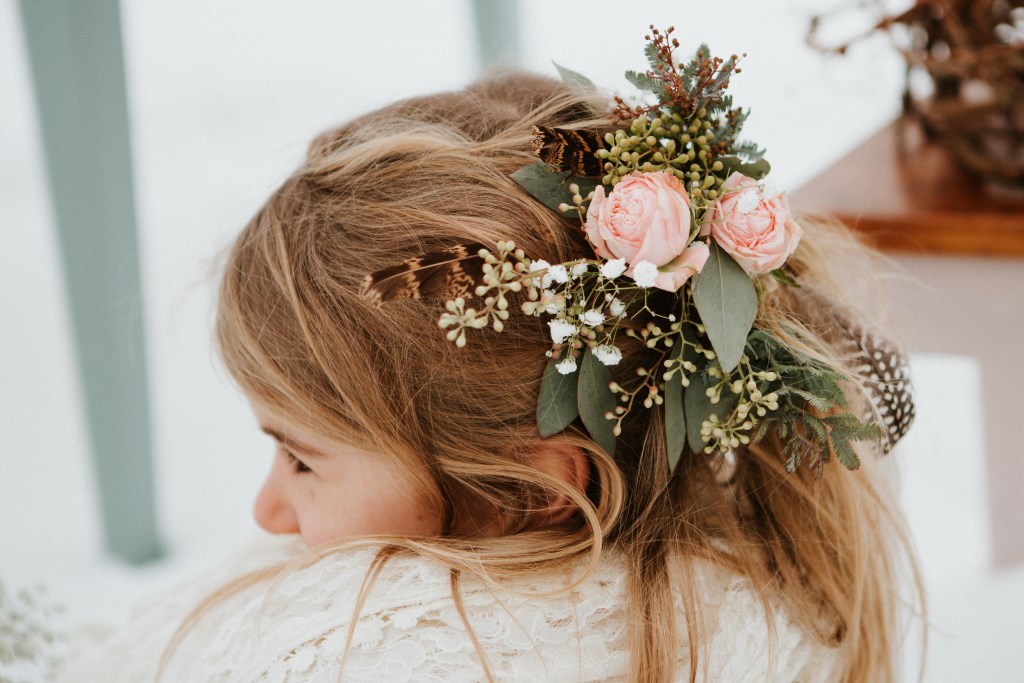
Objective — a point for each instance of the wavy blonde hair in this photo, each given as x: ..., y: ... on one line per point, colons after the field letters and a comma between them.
x: 430, y: 172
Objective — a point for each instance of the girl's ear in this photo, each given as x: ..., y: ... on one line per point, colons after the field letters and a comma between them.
x: 570, y: 465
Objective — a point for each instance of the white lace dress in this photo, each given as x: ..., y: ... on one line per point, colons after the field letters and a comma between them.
x: 409, y: 629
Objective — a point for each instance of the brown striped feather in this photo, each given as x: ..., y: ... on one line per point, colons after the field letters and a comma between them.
x: 447, y: 274
x: 569, y: 150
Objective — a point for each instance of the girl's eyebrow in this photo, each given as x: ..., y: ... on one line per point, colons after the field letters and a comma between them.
x: 293, y: 444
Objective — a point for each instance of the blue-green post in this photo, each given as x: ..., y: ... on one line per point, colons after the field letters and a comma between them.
x: 75, y: 51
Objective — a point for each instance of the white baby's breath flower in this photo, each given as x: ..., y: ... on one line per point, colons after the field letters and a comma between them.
x: 608, y: 354
x: 556, y: 273
x: 579, y: 269
x: 539, y: 264
x: 566, y: 366
x: 645, y: 274
x: 552, y: 303
x: 613, y: 268
x: 561, y: 330
x: 748, y: 200
x: 592, y: 318
x: 616, y: 307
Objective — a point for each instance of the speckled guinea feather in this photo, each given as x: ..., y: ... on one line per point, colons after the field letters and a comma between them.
x: 445, y: 274
x: 886, y: 372
x: 569, y: 150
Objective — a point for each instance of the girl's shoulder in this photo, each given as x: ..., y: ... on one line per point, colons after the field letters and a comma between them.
x: 409, y: 627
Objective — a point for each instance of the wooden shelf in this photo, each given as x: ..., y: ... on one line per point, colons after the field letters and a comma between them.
x: 907, y: 195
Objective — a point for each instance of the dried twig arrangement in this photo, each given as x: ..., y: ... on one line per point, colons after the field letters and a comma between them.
x: 972, y: 55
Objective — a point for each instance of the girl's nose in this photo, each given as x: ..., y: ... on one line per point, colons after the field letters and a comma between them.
x: 272, y: 511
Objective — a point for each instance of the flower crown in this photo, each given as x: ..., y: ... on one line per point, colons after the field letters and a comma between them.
x: 685, y: 240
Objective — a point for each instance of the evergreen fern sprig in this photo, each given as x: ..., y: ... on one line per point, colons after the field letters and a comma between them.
x: 812, y: 421
x: 685, y: 87
x: 748, y: 151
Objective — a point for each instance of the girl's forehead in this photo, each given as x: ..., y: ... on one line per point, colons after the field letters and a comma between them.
x: 297, y: 433
x: 283, y: 427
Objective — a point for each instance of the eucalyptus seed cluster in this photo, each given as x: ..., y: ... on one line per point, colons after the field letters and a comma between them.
x: 579, y: 203
x: 648, y: 387
x: 749, y: 388
x: 503, y: 274
x: 667, y: 142
x: 678, y: 366
x: 676, y: 369
x: 652, y: 334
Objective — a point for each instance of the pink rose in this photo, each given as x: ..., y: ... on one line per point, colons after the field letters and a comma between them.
x: 759, y: 233
x: 646, y: 217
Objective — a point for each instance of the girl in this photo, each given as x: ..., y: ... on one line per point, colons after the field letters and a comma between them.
x: 432, y: 525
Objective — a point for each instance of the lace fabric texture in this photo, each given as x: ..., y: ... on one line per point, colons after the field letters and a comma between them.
x: 409, y: 629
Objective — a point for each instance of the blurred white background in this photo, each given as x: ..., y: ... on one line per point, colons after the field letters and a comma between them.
x: 223, y: 98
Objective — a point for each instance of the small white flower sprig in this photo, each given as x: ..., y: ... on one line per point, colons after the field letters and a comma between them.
x: 587, y: 299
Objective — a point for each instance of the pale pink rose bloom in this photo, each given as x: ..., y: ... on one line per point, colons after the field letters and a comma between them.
x: 646, y: 217
x: 759, y: 233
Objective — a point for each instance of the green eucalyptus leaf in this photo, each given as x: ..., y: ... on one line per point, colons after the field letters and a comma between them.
x: 574, y: 79
x: 756, y: 170
x: 727, y: 302
x: 557, y: 406
x: 675, y: 416
x: 595, y: 399
x: 551, y: 187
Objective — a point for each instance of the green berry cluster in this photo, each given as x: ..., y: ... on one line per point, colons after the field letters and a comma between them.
x: 667, y: 142
x: 750, y: 400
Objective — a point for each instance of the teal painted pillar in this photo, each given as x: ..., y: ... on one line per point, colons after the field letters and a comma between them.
x: 75, y: 50
x: 497, y: 32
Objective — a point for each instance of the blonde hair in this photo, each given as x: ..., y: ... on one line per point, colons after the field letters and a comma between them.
x: 430, y: 172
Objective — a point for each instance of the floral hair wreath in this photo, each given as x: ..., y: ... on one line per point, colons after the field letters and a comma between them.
x: 669, y: 200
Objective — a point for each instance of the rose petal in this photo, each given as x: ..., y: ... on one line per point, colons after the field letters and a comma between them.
x: 675, y: 273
